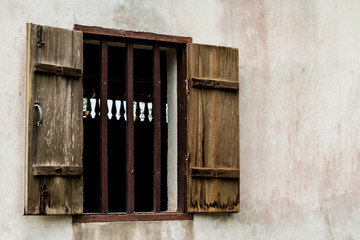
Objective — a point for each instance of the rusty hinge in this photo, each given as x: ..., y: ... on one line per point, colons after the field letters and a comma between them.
x: 39, y: 41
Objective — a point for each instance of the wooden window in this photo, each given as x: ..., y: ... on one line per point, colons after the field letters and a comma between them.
x: 97, y: 155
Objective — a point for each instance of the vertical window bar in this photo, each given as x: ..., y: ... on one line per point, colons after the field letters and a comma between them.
x: 157, y: 127
x: 182, y: 128
x: 129, y: 128
x: 103, y: 128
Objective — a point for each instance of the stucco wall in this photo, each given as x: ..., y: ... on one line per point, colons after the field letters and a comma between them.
x: 299, y: 114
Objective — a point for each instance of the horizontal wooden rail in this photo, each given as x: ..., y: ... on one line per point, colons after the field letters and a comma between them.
x: 57, y: 170
x: 214, y: 83
x: 214, y: 173
x: 57, y: 70
x: 132, y: 35
x: 117, y: 217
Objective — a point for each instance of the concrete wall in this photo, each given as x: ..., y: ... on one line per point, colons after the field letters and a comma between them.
x: 299, y: 114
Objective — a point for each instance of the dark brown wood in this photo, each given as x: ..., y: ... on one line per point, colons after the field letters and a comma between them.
x: 157, y: 127
x: 57, y: 70
x: 129, y: 128
x: 103, y: 128
x: 57, y: 170
x: 182, y: 129
x: 59, y: 142
x: 88, y: 218
x: 133, y: 35
x: 214, y: 173
x: 214, y: 83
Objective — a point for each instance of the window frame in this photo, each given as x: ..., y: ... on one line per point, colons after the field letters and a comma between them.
x: 180, y: 43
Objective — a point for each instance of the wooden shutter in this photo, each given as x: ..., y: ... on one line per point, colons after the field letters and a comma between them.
x: 53, y: 181
x: 213, y: 129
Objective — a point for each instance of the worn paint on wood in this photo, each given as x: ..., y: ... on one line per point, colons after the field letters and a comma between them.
x: 59, y: 141
x: 213, y: 129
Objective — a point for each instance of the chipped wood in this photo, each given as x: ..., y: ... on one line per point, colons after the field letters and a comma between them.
x: 59, y: 141
x: 213, y: 129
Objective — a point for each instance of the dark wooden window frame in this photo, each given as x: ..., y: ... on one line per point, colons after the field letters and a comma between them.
x: 156, y: 40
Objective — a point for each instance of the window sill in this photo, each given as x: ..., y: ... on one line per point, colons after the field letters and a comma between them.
x: 118, y: 217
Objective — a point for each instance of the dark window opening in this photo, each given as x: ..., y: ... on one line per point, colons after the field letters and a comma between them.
x: 116, y: 129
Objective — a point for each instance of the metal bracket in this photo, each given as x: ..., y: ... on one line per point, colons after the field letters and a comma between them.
x: 39, y: 41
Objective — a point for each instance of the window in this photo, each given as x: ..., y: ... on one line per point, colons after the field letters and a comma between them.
x: 134, y: 74
x: 66, y: 76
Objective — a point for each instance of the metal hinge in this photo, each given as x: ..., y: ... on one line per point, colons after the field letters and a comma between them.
x: 39, y: 41
x: 187, y: 87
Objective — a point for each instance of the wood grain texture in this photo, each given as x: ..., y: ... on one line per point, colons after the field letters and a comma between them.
x: 60, y: 141
x: 213, y: 129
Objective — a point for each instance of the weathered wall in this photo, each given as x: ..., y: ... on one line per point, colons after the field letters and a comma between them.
x: 299, y: 111
x: 300, y: 114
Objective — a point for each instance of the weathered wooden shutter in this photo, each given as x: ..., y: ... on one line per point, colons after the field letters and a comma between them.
x: 213, y: 129
x: 54, y: 182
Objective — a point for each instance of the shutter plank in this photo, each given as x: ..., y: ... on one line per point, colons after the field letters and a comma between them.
x: 213, y: 129
x: 59, y: 141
